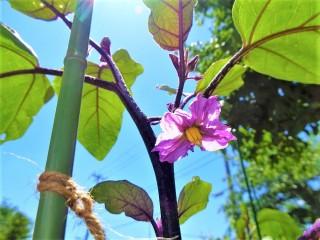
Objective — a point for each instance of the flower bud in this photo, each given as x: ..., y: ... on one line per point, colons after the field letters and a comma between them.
x: 193, y: 63
x: 175, y: 61
x: 105, y: 45
x: 197, y: 78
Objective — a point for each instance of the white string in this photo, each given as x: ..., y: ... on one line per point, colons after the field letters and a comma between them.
x: 28, y: 160
x: 110, y: 229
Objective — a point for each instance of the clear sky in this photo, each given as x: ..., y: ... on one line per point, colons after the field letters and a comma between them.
x: 23, y: 160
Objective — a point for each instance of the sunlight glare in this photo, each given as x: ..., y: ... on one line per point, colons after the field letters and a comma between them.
x: 138, y: 9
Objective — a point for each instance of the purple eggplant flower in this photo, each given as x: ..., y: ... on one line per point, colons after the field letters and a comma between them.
x: 201, y: 127
x: 313, y: 233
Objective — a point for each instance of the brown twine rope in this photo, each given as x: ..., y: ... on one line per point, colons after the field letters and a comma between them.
x: 79, y: 201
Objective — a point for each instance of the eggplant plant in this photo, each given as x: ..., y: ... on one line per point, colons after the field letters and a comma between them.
x: 280, y: 38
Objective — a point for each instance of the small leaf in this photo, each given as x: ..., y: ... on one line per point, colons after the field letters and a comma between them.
x: 164, y: 21
x: 231, y: 82
x: 37, y: 9
x: 280, y: 38
x: 168, y: 89
x: 123, y: 196
x: 193, y: 198
x: 101, y: 110
x: 22, y: 96
x: 278, y: 225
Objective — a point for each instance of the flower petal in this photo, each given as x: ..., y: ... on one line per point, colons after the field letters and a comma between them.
x: 216, y: 136
x: 187, y: 119
x: 175, y: 122
x: 204, y: 110
x: 171, y: 150
x: 212, y: 144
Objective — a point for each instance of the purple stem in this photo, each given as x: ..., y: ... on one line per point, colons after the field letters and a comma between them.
x: 39, y: 70
x: 223, y: 72
x: 182, y: 66
x: 187, y: 99
x: 154, y: 119
x: 164, y: 171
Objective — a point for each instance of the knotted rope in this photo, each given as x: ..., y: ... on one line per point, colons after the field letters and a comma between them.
x: 79, y: 201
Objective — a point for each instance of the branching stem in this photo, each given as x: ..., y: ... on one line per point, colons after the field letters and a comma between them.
x: 223, y: 72
x: 182, y: 65
x: 164, y: 171
x: 54, y: 72
x: 187, y: 99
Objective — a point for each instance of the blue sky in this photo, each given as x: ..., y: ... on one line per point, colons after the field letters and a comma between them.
x: 23, y: 160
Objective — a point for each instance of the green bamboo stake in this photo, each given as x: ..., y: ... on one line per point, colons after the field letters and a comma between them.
x: 52, y: 210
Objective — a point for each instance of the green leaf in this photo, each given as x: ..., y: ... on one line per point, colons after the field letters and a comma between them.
x: 101, y: 110
x: 278, y: 225
x: 123, y: 196
x: 22, y: 96
x: 193, y: 198
x: 168, y: 89
x: 231, y: 82
x: 128, y: 67
x: 164, y: 21
x: 37, y: 9
x: 280, y: 38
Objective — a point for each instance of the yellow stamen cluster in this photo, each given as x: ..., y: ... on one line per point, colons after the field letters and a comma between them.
x: 193, y: 135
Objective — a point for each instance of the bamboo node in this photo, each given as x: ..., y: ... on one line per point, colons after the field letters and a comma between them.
x: 78, y: 200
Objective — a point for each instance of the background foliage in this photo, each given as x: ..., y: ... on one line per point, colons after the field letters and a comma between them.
x: 277, y: 124
x: 13, y: 224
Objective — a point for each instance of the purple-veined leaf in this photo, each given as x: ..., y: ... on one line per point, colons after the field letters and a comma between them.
x: 169, y: 21
x: 123, y: 196
x: 101, y: 110
x: 281, y: 38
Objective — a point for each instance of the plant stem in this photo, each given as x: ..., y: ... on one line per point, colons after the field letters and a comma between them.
x: 154, y: 119
x: 155, y: 227
x: 187, y: 99
x: 164, y: 171
x: 223, y: 72
x: 54, y: 72
x: 182, y: 65
x: 254, y: 211
x: 52, y: 210
x: 57, y: 13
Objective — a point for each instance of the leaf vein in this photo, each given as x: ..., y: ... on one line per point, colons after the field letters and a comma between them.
x: 258, y: 20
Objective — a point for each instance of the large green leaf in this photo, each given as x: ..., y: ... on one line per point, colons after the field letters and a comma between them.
x: 21, y: 96
x: 129, y: 68
x: 232, y: 81
x: 277, y: 225
x: 37, y: 9
x: 193, y: 198
x: 123, y: 196
x: 164, y: 22
x: 281, y: 38
x: 101, y: 110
